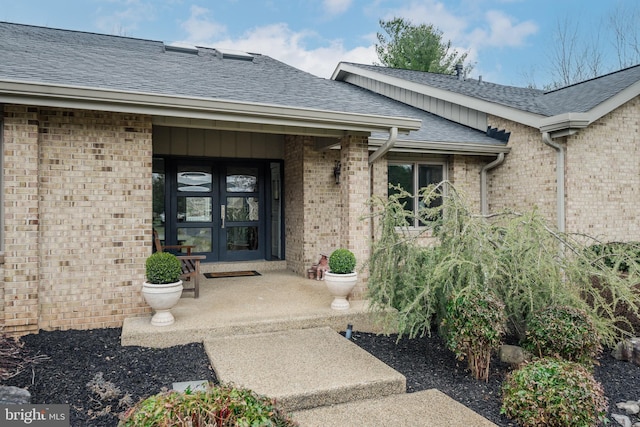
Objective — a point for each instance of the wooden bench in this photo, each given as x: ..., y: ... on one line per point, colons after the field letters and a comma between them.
x: 191, y: 272
x: 190, y: 264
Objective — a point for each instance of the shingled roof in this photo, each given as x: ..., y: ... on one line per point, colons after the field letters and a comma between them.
x: 578, y: 98
x: 86, y: 60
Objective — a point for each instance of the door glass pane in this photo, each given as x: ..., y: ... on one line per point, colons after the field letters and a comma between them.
x: 242, y: 238
x: 198, y: 237
x: 194, y: 209
x: 242, y: 209
x: 158, y: 185
x: 242, y: 180
x: 194, y: 178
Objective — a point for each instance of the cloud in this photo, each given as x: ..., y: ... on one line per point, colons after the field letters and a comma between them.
x: 432, y: 12
x: 200, y: 27
x: 126, y: 19
x: 277, y: 41
x: 502, y: 31
x: 336, y: 7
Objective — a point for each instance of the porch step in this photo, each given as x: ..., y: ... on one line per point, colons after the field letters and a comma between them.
x: 139, y: 331
x: 423, y: 408
x: 302, y: 368
x: 275, y: 301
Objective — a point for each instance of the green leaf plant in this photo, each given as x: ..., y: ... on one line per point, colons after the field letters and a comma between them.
x: 524, y: 262
x: 474, y: 327
x: 221, y: 405
x: 553, y: 392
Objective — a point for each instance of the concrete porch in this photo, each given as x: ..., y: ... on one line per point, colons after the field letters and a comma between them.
x: 275, y: 334
x: 277, y: 300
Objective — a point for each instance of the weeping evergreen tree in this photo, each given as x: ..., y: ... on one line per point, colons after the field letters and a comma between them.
x: 519, y: 257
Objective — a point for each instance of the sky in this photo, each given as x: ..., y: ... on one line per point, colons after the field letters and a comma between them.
x: 508, y: 41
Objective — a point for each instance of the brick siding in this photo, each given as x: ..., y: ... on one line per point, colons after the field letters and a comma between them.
x: 603, y: 176
x: 77, y: 217
x: 527, y: 178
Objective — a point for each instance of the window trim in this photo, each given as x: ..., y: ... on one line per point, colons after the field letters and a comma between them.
x: 416, y: 177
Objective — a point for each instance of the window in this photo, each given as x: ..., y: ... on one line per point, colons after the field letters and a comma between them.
x: 412, y: 177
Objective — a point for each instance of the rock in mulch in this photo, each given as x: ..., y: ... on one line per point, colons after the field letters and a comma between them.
x: 628, y: 350
x: 10, y: 395
x: 630, y: 407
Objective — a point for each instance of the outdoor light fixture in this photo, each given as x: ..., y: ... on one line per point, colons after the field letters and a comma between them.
x: 336, y: 171
x: 349, y: 331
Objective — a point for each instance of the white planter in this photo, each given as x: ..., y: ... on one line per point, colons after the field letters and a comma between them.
x: 340, y: 286
x: 162, y: 298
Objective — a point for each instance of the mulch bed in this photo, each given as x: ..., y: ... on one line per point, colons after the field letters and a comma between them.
x: 79, y: 358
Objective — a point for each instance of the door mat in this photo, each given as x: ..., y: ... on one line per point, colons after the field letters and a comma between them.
x: 231, y: 274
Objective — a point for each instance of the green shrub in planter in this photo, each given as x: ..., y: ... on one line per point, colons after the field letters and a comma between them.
x: 163, y: 267
x: 553, y: 392
x: 342, y: 261
x: 565, y: 332
x: 474, y: 325
x: 221, y: 405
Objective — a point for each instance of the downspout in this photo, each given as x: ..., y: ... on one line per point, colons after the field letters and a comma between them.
x: 388, y: 145
x: 381, y: 151
x: 484, y: 203
x: 560, y: 175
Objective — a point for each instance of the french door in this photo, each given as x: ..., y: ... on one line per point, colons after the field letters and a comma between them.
x: 218, y: 207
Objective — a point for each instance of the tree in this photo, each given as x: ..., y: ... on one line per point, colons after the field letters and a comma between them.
x: 419, y: 48
x: 573, y: 59
x: 581, y: 51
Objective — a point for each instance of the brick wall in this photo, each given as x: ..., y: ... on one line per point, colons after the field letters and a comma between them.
x: 527, y: 178
x: 294, y: 203
x: 77, y: 217
x: 312, y: 203
x: 603, y: 176
x: 321, y: 215
x: 464, y: 174
x: 354, y: 194
x: 21, y: 219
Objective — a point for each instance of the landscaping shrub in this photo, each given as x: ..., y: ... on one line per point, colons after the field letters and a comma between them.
x: 520, y: 257
x: 564, y: 332
x: 163, y: 267
x: 474, y: 327
x: 342, y: 261
x: 553, y: 392
x: 218, y: 406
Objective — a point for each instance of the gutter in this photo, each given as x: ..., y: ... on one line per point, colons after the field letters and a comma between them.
x: 388, y: 145
x: 560, y: 172
x: 484, y: 203
x: 190, y: 107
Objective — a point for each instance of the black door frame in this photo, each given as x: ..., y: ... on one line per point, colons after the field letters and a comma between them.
x: 219, y: 167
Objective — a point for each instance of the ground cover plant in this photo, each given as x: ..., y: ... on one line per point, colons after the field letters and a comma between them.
x: 220, y: 405
x: 553, y: 392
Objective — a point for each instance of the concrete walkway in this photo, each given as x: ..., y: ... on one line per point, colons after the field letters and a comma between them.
x: 275, y: 334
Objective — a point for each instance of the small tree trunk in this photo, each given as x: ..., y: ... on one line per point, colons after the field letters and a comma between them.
x: 479, y: 363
